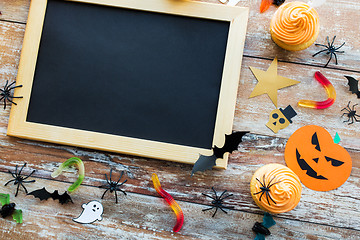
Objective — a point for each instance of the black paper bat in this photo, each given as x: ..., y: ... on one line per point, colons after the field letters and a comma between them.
x: 208, y: 162
x: 353, y: 84
x: 43, y: 194
x: 231, y: 143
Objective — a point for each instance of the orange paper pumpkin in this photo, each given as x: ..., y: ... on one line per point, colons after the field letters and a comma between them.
x: 320, y: 164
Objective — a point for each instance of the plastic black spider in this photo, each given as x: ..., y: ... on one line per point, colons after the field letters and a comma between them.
x: 19, y: 180
x: 265, y: 189
x: 217, y: 201
x: 5, y: 93
x: 114, y: 186
x: 330, y: 49
x: 351, y: 114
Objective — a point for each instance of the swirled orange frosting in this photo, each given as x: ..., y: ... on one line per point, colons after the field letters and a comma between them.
x: 284, y: 188
x: 295, y: 23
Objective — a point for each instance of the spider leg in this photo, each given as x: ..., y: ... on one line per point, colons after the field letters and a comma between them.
x: 29, y: 175
x: 261, y: 195
x: 208, y: 196
x: 259, y: 192
x: 270, y: 182
x: 122, y: 173
x: 273, y: 184
x: 107, y: 180
x: 110, y: 174
x: 11, y: 88
x: 347, y: 120
x: 227, y: 196
x: 353, y: 108
x: 7, y: 98
x: 260, y: 183
x: 122, y: 191
x: 6, y: 84
x: 122, y: 183
x: 223, y: 210
x: 14, y: 97
x: 271, y: 198
x: 9, y: 182
x: 340, y: 47
x: 16, y: 168
x: 352, y: 120
x: 116, y: 196
x: 319, y: 52
x: 222, y: 194
x: 102, y: 197
x: 207, y: 209
x: 17, y: 190
x: 4, y: 103
x: 322, y: 45
x: 24, y: 187
x: 329, y: 60
x: 357, y: 119
x: 14, y: 176
x: 214, y: 192
x: 267, y: 197
x: 332, y: 43
x: 21, y: 169
x: 336, y: 61
x: 215, y: 212
x: 31, y: 181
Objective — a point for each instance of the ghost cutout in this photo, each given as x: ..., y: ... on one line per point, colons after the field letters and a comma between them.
x: 92, y: 211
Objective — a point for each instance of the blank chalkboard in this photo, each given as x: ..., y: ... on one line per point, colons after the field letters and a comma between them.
x: 150, y: 79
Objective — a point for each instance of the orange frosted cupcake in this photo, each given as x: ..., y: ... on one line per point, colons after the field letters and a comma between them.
x: 295, y: 26
x: 275, y: 188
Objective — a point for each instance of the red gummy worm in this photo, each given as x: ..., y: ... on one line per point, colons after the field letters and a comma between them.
x: 170, y: 200
x: 330, y: 90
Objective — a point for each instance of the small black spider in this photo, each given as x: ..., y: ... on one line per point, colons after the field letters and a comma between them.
x: 330, y: 49
x: 19, y: 180
x: 114, y: 186
x: 5, y: 93
x: 351, y: 114
x: 217, y: 201
x: 265, y: 189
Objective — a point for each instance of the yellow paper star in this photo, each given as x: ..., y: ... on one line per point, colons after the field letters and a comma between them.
x: 269, y: 82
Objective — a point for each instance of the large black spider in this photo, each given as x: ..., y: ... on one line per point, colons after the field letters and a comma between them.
x: 19, y: 180
x: 5, y: 93
x: 265, y: 189
x: 217, y: 201
x: 114, y: 186
x: 351, y: 114
x: 330, y: 49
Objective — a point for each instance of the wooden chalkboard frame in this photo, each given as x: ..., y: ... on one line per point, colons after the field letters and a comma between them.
x: 236, y: 16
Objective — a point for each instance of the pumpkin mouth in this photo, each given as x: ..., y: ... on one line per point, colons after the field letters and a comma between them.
x: 304, y: 166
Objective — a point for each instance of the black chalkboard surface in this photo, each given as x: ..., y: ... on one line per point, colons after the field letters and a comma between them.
x: 131, y: 73
x: 151, y: 71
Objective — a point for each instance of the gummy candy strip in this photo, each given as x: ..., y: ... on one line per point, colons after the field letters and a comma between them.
x: 170, y: 200
x: 66, y: 165
x: 330, y: 90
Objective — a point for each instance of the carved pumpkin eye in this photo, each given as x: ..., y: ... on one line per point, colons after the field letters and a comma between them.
x: 315, y: 141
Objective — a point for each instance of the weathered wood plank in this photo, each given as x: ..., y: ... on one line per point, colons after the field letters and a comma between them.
x: 342, y: 22
x: 142, y: 217
x: 315, y: 207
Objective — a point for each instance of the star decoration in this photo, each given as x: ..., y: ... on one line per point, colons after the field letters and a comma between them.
x: 269, y: 82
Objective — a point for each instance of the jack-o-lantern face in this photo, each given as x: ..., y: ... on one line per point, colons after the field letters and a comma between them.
x: 320, y: 164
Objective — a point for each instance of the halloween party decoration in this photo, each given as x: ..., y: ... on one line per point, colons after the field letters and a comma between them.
x: 5, y: 93
x: 265, y: 4
x: 232, y: 142
x: 330, y: 49
x: 337, y: 138
x: 114, y: 186
x: 280, y: 118
x: 350, y: 113
x: 207, y: 162
x: 261, y: 229
x: 353, y: 84
x: 91, y: 212
x: 217, y: 201
x: 275, y: 188
x: 66, y: 165
x: 9, y: 208
x: 170, y: 200
x: 330, y: 91
x: 269, y: 82
x: 43, y: 194
x: 321, y: 164
x: 19, y: 179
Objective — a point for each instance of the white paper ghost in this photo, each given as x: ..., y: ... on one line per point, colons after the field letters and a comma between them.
x: 92, y: 211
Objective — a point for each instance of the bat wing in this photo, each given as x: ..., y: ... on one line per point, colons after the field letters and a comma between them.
x: 17, y: 215
x: 204, y: 163
x: 64, y: 198
x: 42, y: 194
x: 4, y: 198
x: 231, y: 143
x: 353, y: 84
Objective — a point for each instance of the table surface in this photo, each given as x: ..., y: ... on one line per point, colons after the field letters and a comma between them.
x: 142, y: 214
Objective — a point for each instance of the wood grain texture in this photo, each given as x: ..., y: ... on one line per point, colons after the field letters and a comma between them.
x: 143, y: 215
